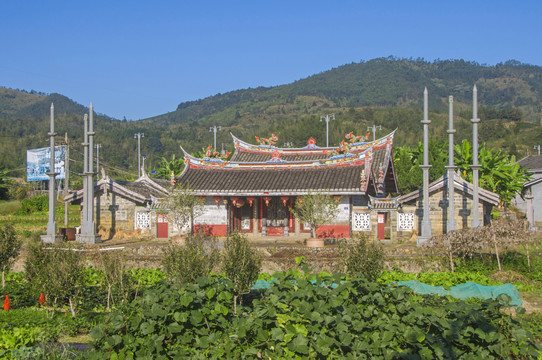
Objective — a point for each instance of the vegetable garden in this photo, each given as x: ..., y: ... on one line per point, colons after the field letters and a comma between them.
x: 202, y: 306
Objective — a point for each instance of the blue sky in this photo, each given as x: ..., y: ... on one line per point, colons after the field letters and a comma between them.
x: 141, y: 58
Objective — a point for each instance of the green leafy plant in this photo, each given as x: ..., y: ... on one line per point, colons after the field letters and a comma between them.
x: 197, y: 257
x: 315, y: 209
x: 10, y: 247
x: 56, y: 270
x: 114, y: 270
x: 361, y: 257
x: 241, y: 265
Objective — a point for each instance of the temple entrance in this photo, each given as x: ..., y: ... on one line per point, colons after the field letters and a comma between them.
x: 276, y: 217
x: 242, y: 218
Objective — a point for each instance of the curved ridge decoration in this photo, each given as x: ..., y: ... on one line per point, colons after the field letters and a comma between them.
x: 355, y: 147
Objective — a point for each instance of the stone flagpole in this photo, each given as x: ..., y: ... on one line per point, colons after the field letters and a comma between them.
x: 426, y: 221
x: 51, y: 236
x: 475, y: 167
x: 451, y: 225
x: 88, y: 226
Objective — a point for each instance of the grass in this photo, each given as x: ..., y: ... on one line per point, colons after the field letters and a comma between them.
x: 9, y: 207
x: 25, y: 225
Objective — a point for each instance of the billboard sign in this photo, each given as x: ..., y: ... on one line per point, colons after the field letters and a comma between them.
x: 38, y: 162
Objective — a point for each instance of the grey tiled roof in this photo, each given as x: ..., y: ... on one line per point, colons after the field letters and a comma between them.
x: 533, y: 162
x: 244, y: 156
x: 273, y: 181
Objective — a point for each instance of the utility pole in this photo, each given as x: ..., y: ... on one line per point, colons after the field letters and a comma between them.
x: 537, y: 147
x: 98, y: 146
x: 327, y: 118
x: 374, y: 128
x: 214, y: 129
x: 138, y: 136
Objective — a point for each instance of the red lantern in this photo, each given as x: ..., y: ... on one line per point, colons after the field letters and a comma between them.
x: 337, y: 198
x: 267, y: 200
x: 251, y: 199
x: 217, y: 199
x: 234, y: 199
x: 285, y: 199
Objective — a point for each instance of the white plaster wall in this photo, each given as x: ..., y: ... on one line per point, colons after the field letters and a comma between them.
x: 343, y: 217
x: 212, y: 213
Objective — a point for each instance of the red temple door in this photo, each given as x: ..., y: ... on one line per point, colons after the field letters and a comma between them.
x: 161, y: 226
x: 381, y: 226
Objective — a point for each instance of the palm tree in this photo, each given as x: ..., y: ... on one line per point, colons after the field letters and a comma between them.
x: 170, y: 168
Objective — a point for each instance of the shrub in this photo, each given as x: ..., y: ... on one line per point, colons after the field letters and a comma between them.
x: 197, y: 257
x: 38, y: 203
x: 241, y: 264
x: 57, y: 271
x: 10, y: 246
x: 117, y: 279
x: 359, y: 257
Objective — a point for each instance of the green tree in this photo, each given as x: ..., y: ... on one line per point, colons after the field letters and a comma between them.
x: 183, y: 207
x: 186, y: 262
x: 407, y: 163
x: 315, y: 209
x: 168, y: 168
x: 10, y: 246
x: 499, y: 172
x: 4, y: 185
x: 56, y: 271
x: 241, y: 264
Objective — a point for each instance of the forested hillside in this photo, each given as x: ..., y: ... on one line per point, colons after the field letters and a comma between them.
x: 385, y: 92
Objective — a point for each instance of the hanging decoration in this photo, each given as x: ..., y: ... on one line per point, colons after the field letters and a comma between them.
x: 285, y: 199
x: 251, y: 199
x: 336, y: 198
x: 217, y: 199
x: 240, y: 203
x: 234, y: 200
x: 267, y: 200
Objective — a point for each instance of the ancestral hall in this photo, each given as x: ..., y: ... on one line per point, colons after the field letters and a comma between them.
x: 254, y: 191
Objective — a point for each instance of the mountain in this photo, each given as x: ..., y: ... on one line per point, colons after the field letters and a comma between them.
x: 385, y: 91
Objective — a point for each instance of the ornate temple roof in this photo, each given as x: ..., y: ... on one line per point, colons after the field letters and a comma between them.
x: 343, y: 174
x: 276, y: 181
x: 381, y: 164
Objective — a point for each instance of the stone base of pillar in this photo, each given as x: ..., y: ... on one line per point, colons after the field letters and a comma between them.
x: 51, y: 239
x: 420, y: 241
x: 88, y: 239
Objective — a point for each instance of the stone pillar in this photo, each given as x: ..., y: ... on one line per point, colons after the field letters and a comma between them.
x: 530, y: 210
x: 451, y: 224
x: 88, y: 227
x: 475, y: 167
x: 426, y: 221
x: 51, y: 236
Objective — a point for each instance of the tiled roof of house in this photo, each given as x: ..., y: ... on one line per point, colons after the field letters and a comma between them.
x: 533, y: 162
x: 459, y: 185
x: 294, y: 181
